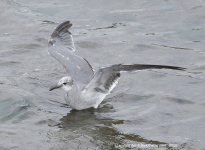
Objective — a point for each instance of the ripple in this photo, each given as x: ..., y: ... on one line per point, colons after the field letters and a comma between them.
x: 174, y: 47
x: 11, y: 105
x: 179, y: 101
x: 24, y: 47
x: 114, y: 25
x: 10, y: 63
x: 88, y: 44
x: 47, y: 22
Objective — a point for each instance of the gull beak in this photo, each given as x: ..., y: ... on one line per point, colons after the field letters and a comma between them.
x: 55, y: 87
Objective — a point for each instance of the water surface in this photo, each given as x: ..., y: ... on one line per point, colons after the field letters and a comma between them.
x: 148, y: 109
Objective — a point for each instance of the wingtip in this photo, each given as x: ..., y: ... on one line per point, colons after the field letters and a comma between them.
x: 178, y: 68
x: 62, y: 27
x: 183, y: 69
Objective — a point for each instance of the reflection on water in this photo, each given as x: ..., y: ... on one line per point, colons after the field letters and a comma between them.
x: 92, y: 123
x: 148, y: 109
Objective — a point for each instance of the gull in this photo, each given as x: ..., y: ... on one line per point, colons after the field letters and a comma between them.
x: 83, y: 87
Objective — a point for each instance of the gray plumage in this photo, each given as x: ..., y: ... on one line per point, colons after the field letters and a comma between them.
x: 83, y: 88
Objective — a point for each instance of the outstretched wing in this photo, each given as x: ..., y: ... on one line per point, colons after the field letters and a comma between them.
x: 106, y: 78
x: 61, y: 47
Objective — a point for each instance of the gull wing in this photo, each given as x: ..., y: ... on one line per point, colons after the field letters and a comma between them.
x: 61, y: 47
x: 105, y: 78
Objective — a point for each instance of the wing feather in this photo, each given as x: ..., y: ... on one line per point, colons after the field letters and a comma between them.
x: 61, y: 47
x: 106, y: 78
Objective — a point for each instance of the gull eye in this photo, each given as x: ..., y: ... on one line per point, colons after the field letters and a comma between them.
x: 64, y: 83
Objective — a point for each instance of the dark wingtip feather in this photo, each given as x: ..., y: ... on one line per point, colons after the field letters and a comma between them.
x: 168, y: 67
x: 62, y: 27
x: 134, y: 67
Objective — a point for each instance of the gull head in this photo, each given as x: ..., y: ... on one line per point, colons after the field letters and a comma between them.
x: 65, y: 83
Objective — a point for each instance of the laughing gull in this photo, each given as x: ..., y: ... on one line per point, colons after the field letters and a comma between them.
x: 85, y: 88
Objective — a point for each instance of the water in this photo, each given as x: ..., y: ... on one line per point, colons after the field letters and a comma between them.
x: 148, y: 109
